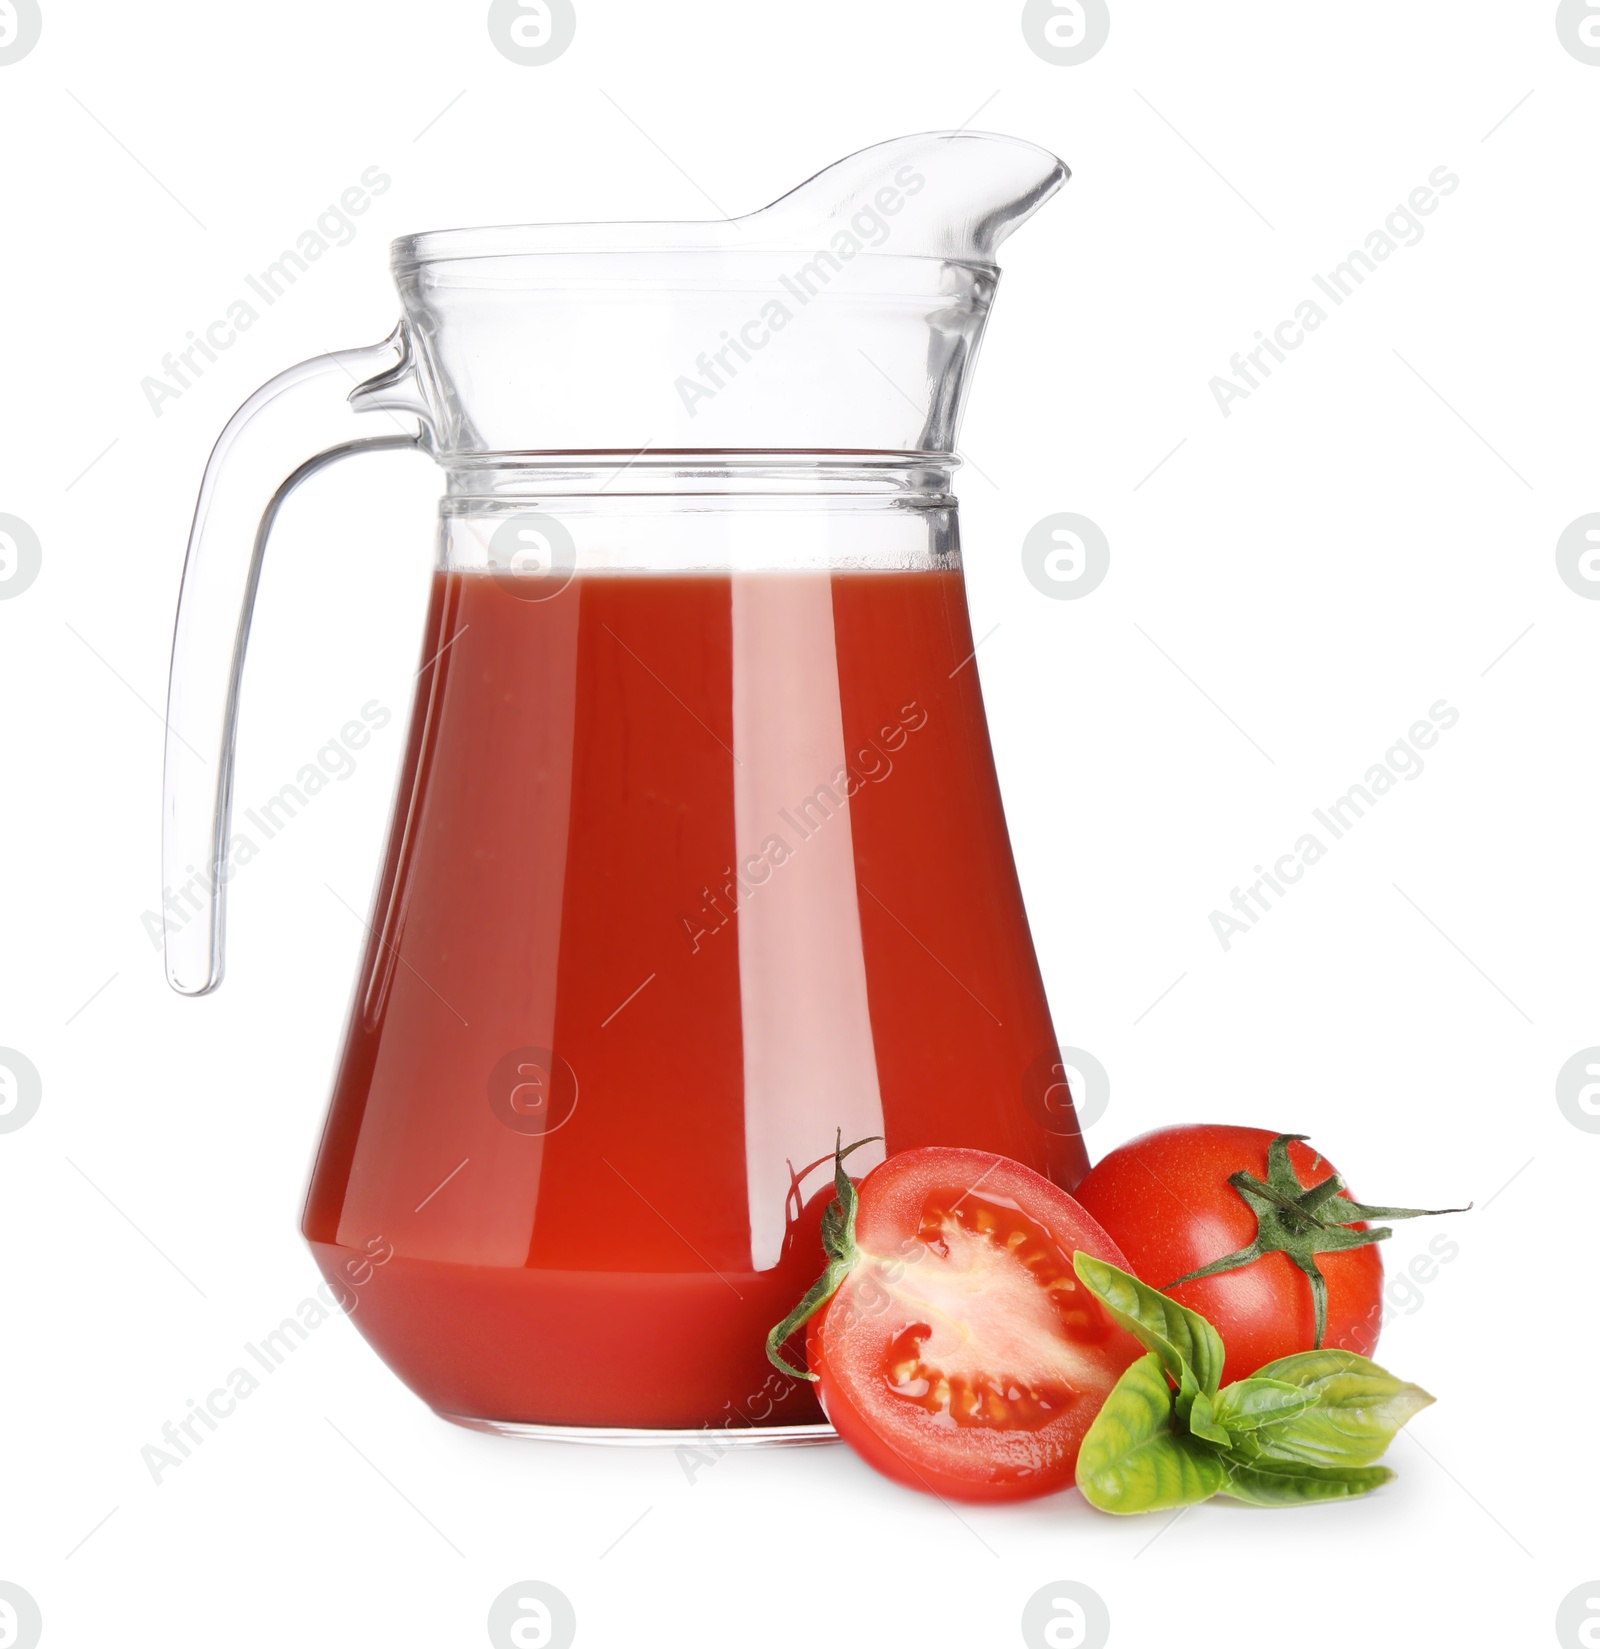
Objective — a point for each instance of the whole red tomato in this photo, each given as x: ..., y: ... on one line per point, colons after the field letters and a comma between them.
x: 1166, y: 1200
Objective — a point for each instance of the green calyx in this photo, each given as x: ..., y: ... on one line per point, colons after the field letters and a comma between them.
x: 1306, y: 1428
x: 1303, y: 1223
x: 838, y: 1243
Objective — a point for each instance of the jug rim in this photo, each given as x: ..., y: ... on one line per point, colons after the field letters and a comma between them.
x: 998, y: 182
x: 431, y: 248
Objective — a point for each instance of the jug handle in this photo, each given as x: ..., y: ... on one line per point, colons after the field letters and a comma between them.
x: 257, y: 462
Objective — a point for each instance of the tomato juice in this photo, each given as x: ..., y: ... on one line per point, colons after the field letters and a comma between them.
x: 687, y: 871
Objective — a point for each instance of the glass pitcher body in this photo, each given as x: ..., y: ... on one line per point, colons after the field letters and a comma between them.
x: 698, y: 859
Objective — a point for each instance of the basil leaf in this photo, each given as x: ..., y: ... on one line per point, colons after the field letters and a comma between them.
x: 1282, y: 1483
x: 1202, y: 1420
x: 1185, y: 1397
x: 1181, y: 1338
x: 1248, y: 1404
x: 1132, y: 1460
x: 1354, y: 1411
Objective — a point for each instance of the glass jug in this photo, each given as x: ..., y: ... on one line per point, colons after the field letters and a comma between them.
x: 697, y: 857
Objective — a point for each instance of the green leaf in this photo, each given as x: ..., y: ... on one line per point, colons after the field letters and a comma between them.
x: 1249, y: 1404
x: 1354, y: 1410
x: 1283, y: 1483
x: 1186, y: 1396
x: 1202, y: 1421
x: 1132, y: 1460
x: 1183, y: 1340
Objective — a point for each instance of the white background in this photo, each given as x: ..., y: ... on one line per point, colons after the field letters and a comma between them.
x: 1291, y: 588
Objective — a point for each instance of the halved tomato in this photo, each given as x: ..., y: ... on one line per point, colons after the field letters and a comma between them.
x: 952, y: 1345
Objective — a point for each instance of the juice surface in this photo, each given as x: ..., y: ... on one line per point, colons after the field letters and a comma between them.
x: 686, y: 873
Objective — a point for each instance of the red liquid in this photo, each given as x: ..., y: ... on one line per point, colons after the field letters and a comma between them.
x: 583, y: 775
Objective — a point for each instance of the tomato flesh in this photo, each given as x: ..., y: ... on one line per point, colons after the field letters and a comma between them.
x: 1165, y: 1197
x: 962, y: 1355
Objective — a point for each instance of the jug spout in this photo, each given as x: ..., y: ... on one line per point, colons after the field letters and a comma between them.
x: 951, y: 195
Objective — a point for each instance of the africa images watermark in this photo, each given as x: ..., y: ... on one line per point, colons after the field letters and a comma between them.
x: 747, y: 1417
x: 1404, y: 1289
x: 335, y: 761
x: 867, y: 231
x: 335, y: 226
x: 1402, y: 227
x: 870, y: 763
x: 1402, y: 760
x: 181, y: 1437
